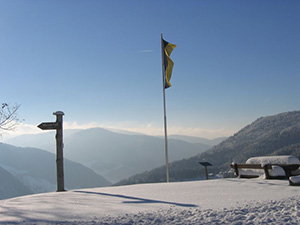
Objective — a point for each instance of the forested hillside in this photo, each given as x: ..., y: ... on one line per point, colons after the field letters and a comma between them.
x: 271, y: 135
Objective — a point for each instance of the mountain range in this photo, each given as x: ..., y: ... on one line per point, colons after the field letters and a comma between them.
x: 197, y: 140
x: 117, y: 155
x: 271, y: 135
x: 31, y: 170
x: 133, y: 156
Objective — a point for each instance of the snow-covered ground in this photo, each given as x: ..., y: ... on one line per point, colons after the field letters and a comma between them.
x: 223, y: 201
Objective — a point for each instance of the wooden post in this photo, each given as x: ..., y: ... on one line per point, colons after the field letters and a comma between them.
x: 59, y: 151
x: 206, y: 173
x: 236, y: 169
x: 205, y: 164
x: 58, y: 126
x: 267, y: 171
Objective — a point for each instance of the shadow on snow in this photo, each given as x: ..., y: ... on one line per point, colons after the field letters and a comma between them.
x: 137, y: 200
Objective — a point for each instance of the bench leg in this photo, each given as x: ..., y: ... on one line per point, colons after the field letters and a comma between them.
x: 266, y: 171
x: 236, y: 170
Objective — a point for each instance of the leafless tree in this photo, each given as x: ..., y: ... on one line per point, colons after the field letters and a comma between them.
x: 9, y: 117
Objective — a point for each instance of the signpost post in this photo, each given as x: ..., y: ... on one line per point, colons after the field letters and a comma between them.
x: 58, y: 126
x: 205, y: 164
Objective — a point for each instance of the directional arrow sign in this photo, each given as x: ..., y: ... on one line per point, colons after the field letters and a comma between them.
x: 49, y: 126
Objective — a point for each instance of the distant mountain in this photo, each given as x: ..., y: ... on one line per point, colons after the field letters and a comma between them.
x: 36, y: 169
x: 45, y: 140
x: 195, y: 140
x: 10, y: 186
x: 271, y: 135
x: 115, y: 155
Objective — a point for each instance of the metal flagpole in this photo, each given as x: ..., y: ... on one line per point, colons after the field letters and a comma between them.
x: 164, y: 102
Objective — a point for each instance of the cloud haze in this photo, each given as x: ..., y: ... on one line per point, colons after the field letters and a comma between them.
x: 148, y: 129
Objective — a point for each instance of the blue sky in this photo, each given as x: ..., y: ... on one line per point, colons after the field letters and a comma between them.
x: 100, y: 62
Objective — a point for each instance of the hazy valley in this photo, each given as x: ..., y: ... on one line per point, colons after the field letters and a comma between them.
x: 113, y: 155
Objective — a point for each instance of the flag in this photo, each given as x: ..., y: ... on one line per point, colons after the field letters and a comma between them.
x: 168, y: 63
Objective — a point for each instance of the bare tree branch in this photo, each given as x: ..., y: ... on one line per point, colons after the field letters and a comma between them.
x: 9, y: 118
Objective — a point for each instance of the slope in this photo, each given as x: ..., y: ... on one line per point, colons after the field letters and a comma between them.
x: 271, y: 135
x: 10, y: 186
x: 199, y: 202
x: 37, y: 169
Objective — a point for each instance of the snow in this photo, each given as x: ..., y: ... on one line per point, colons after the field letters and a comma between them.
x: 296, y: 172
x: 295, y: 180
x: 283, y: 160
x: 222, y: 201
x: 277, y: 171
x: 251, y: 172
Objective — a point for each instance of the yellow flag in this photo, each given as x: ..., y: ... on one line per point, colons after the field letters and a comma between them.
x: 168, y: 63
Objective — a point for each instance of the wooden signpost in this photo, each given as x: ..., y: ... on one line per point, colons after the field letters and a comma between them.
x: 205, y: 164
x: 58, y: 126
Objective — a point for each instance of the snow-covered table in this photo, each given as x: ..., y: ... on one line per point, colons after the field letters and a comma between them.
x: 273, y: 167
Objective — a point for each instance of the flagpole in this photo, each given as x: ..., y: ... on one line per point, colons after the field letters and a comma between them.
x: 165, y: 114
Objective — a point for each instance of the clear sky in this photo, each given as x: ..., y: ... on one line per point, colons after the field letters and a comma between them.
x: 99, y: 61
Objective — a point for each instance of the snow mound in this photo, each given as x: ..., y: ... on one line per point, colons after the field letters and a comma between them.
x: 277, y: 171
x: 295, y: 180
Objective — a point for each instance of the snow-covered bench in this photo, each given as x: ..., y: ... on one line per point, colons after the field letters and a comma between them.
x: 272, y: 167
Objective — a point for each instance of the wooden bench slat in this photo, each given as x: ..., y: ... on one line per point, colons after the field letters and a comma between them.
x: 251, y: 166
